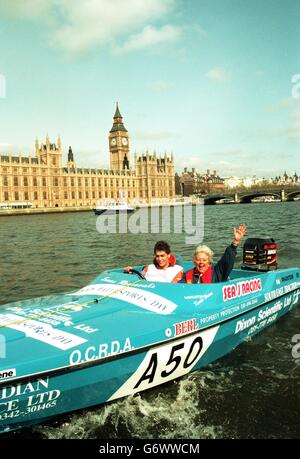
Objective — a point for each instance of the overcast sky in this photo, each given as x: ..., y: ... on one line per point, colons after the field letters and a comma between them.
x: 210, y: 80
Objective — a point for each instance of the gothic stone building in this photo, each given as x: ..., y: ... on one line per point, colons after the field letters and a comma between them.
x: 43, y: 181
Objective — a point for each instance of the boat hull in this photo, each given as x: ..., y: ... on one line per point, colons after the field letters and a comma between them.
x: 112, y: 211
x: 96, y: 381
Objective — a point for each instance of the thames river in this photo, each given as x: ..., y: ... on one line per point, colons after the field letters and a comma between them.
x: 254, y: 392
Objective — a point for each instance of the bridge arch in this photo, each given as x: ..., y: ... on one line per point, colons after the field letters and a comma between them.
x: 248, y: 197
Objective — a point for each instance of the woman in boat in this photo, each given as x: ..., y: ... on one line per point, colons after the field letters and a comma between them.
x: 204, y: 271
x: 163, y: 268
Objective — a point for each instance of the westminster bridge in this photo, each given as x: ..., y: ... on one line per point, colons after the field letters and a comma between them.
x: 245, y: 196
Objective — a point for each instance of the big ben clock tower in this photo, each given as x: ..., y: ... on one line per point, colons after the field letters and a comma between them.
x: 118, y: 144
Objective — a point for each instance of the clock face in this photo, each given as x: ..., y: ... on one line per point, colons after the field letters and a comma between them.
x: 124, y: 141
x: 113, y: 142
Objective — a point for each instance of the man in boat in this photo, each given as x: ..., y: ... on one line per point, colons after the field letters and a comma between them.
x: 163, y: 268
x: 204, y: 271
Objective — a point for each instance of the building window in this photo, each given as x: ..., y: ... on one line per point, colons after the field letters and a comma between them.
x: 44, y: 181
x: 80, y: 195
x: 35, y: 196
x: 86, y: 194
x: 26, y: 196
x: 99, y: 195
x: 16, y: 196
x: 86, y: 182
x: 25, y: 179
x: 34, y: 181
x: 66, y: 195
x: 15, y: 181
x: 94, y: 194
x: 54, y: 161
x: 5, y: 195
x: 72, y: 181
x: 73, y: 194
x: 55, y: 181
x: 65, y: 181
x: 5, y: 181
x: 93, y: 182
x: 79, y: 182
x: 45, y: 194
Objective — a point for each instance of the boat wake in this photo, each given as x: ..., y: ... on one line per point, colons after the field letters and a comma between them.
x: 168, y: 414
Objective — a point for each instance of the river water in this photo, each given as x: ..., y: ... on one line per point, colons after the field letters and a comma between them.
x: 254, y: 392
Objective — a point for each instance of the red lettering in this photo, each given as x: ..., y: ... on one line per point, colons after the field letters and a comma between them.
x: 184, y: 327
x: 177, y: 329
x: 259, y: 284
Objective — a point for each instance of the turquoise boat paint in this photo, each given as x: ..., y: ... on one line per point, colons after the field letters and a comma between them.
x: 120, y: 335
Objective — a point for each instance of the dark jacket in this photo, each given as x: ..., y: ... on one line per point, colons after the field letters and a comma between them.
x: 221, y: 269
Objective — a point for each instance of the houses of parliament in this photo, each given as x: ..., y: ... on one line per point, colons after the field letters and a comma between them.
x: 44, y: 181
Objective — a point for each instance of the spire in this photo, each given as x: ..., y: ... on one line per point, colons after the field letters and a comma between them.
x: 70, y: 155
x: 118, y: 121
x: 117, y: 114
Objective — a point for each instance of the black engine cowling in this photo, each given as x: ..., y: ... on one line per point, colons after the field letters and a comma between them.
x: 260, y: 254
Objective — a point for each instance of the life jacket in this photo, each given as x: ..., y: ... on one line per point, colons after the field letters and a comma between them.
x: 155, y: 273
x: 205, y: 278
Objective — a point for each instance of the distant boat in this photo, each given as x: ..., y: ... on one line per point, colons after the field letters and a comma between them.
x: 113, y: 208
x: 225, y: 201
x: 265, y: 199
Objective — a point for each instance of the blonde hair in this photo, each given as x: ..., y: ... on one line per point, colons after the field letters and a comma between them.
x: 206, y: 250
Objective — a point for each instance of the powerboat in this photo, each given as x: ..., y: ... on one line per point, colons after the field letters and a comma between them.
x: 121, y: 334
x: 113, y: 208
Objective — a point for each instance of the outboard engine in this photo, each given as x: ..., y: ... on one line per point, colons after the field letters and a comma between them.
x: 260, y: 254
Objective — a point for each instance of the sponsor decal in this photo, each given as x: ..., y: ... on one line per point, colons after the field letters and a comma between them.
x: 21, y: 400
x: 287, y: 278
x: 146, y: 300
x: 41, y: 331
x: 280, y: 291
x: 242, y: 288
x: 263, y: 317
x: 54, y: 315
x: 6, y: 374
x: 167, y: 362
x: 199, y: 298
x: 210, y: 318
x: 296, y: 296
x: 185, y: 327
x: 109, y: 280
x: 100, y: 351
x: 86, y: 328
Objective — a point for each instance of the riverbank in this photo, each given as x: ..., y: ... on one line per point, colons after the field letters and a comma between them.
x: 45, y: 210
